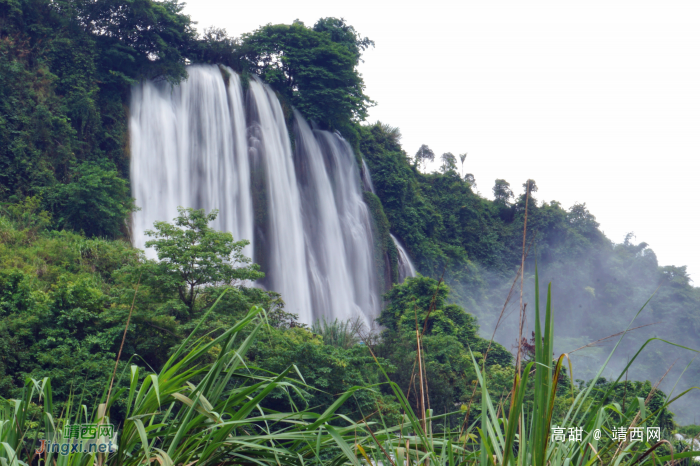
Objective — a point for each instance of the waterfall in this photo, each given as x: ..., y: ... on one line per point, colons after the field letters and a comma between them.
x: 354, y: 219
x: 406, y: 268
x: 271, y: 150
x: 188, y: 149
x: 367, y: 178
x: 208, y: 144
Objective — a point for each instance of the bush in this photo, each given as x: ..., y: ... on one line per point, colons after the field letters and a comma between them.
x: 96, y: 202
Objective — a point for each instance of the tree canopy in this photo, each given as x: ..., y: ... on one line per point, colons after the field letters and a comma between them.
x: 67, y: 68
x: 192, y: 255
x: 502, y: 193
x: 449, y: 162
x: 424, y: 155
x: 448, y: 334
x: 315, y: 68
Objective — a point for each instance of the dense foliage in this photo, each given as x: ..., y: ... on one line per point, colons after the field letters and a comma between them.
x: 67, y: 68
x: 316, y: 68
x: 420, y: 306
x: 64, y: 301
x: 216, y: 413
x: 192, y: 255
x: 599, y: 286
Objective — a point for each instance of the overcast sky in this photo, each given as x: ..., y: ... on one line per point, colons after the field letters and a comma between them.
x: 599, y: 103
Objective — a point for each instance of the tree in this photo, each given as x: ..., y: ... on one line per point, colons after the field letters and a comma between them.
x: 328, y: 368
x: 449, y: 162
x: 66, y: 68
x: 531, y: 185
x: 462, y: 158
x: 502, y: 192
x: 582, y: 220
x: 529, y: 188
x: 469, y: 178
x: 449, y: 336
x: 342, y: 33
x: 316, y: 69
x: 96, y: 202
x: 139, y: 38
x: 214, y: 46
x: 424, y: 154
x: 192, y: 255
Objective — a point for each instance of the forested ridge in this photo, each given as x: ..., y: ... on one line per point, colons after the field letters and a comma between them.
x: 476, y: 244
x: 69, y: 277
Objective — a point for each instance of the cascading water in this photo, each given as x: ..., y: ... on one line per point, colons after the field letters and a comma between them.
x: 354, y: 219
x: 406, y: 268
x: 188, y: 149
x: 367, y: 178
x: 204, y: 144
x: 271, y: 152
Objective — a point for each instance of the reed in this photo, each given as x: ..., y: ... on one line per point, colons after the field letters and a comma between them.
x: 493, y: 439
x: 186, y: 414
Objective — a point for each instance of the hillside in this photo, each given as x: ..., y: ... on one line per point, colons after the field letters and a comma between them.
x: 598, y: 286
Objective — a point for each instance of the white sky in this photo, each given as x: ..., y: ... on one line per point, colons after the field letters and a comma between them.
x: 597, y: 102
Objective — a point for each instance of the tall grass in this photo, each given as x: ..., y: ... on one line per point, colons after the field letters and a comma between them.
x: 343, y: 334
x: 521, y: 433
x: 185, y: 414
x: 191, y: 413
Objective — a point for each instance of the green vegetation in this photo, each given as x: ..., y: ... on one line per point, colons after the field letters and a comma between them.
x: 691, y: 430
x: 448, y: 334
x: 312, y: 68
x: 316, y: 68
x: 190, y: 412
x: 64, y: 301
x: 95, y: 202
x: 67, y: 69
x: 191, y: 255
x: 385, y: 253
x: 60, y: 308
x: 538, y: 443
x: 449, y: 228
